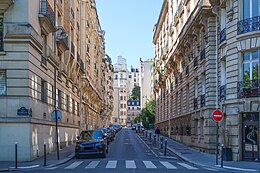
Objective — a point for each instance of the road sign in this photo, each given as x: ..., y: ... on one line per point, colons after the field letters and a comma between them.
x: 217, y: 115
x: 59, y: 115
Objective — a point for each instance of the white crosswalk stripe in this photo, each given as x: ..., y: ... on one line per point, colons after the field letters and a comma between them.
x: 130, y: 164
x: 74, y: 165
x: 168, y: 165
x: 111, y: 164
x: 149, y: 164
x: 92, y: 165
x: 186, y: 166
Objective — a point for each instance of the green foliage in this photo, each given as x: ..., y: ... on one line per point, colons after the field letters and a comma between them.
x: 135, y: 93
x: 148, y: 114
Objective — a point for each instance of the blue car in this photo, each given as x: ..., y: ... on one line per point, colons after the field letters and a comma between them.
x: 91, y: 143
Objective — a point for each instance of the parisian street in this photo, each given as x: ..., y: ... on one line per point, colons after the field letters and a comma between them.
x: 130, y: 152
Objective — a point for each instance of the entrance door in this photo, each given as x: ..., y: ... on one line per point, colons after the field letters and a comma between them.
x: 250, y: 123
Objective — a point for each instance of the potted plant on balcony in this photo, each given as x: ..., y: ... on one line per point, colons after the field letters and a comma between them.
x: 227, y: 150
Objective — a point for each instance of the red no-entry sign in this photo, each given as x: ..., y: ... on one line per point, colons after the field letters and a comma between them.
x: 217, y: 115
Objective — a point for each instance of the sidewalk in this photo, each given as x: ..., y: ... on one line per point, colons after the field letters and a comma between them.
x: 196, y: 157
x: 66, y: 154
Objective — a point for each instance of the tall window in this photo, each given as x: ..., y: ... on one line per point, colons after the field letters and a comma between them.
x: 59, y: 99
x: 2, y: 83
x: 187, y: 98
x: 43, y: 91
x: 250, y: 66
x: 1, y: 33
x: 250, y: 8
x: 68, y: 103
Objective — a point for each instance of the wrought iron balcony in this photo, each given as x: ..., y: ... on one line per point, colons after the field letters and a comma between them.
x: 46, y: 16
x: 222, y: 35
x: 202, y: 55
x: 248, y: 25
x: 1, y: 41
x: 248, y: 89
x: 195, y: 103
x: 202, y: 100
x: 196, y: 61
x: 222, y: 93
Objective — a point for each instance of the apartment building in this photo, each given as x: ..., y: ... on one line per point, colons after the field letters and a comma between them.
x: 207, y: 58
x: 45, y: 56
x: 133, y: 80
x: 146, y: 81
x: 120, y: 93
x: 134, y: 110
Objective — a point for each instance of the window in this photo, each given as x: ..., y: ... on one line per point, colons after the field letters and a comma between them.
x: 121, y: 105
x: 2, y: 83
x: 68, y: 103
x: 43, y: 91
x: 1, y: 33
x: 250, y: 8
x: 181, y: 105
x: 250, y: 66
x: 187, y: 98
x: 59, y: 99
x: 73, y: 106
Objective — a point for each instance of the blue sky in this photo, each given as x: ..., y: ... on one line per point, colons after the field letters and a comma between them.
x: 129, y: 28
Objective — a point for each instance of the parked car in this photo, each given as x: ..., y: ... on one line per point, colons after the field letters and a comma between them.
x: 91, y: 143
x: 134, y: 126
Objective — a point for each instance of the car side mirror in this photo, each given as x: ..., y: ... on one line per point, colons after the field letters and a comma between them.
x: 78, y: 137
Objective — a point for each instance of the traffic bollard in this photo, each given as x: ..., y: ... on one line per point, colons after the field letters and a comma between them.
x: 44, y: 155
x: 107, y: 146
x: 165, y: 147
x: 16, y: 158
x: 161, y: 139
x: 154, y: 138
x: 222, y: 155
x: 150, y: 136
x: 146, y: 133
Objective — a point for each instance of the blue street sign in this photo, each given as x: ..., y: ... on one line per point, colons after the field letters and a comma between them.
x: 59, y: 115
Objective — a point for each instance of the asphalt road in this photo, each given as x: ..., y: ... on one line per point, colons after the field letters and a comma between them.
x: 129, y: 153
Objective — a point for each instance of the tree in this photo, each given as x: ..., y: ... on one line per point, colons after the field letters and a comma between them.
x: 148, y: 113
x: 135, y: 93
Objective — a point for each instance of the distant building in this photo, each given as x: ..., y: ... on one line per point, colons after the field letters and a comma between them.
x: 119, y: 114
x: 146, y: 81
x: 134, y: 110
x: 133, y: 80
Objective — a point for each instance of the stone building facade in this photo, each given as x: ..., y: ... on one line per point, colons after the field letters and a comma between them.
x: 207, y: 58
x: 40, y: 43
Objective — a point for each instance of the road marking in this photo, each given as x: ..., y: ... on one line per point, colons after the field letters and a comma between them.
x: 74, y: 165
x: 186, y: 166
x: 211, y: 169
x: 26, y: 167
x: 168, y: 165
x: 147, y: 146
x: 149, y: 164
x: 238, y: 169
x: 111, y: 164
x: 52, y: 168
x: 130, y: 164
x: 92, y: 165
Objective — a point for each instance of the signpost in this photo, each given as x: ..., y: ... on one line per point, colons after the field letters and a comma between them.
x: 217, y: 116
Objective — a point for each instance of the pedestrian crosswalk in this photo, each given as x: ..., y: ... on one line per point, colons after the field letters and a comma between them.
x: 125, y: 164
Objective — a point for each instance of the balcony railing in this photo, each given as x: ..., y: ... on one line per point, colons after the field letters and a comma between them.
x: 202, y: 100
x: 248, y: 89
x: 222, y: 93
x: 72, y: 48
x: 202, y: 55
x: 195, y: 61
x: 222, y: 35
x: 1, y: 41
x: 46, y: 10
x: 195, y: 103
x: 248, y: 25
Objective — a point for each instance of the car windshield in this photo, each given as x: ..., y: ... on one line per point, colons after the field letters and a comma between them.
x: 86, y: 135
